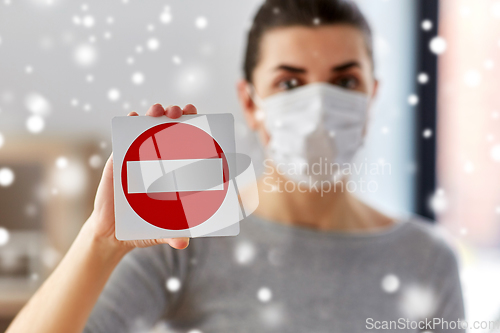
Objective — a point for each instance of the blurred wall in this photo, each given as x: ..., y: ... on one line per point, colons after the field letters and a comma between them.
x: 469, y: 119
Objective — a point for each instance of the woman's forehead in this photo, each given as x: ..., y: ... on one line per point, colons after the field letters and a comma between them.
x: 322, y: 46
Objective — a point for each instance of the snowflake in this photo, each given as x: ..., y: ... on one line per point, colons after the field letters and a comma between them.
x: 173, y: 284
x: 245, y: 253
x: 438, y: 45
x: 153, y: 44
x: 469, y: 167
x: 88, y: 21
x: 438, y: 202
x: 390, y: 283
x: 113, y: 94
x: 426, y: 25
x: 495, y: 153
x: 61, y: 162
x: 423, y: 78
x: 201, y: 22
x: 138, y: 78
x: 472, y: 78
x: 85, y: 55
x: 427, y: 133
x: 37, y: 104
x: 176, y: 60
x: 35, y: 124
x: 413, y: 99
x: 95, y: 161
x: 7, y: 177
x: 264, y: 294
x: 4, y: 236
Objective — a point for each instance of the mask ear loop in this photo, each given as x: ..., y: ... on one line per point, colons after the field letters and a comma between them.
x: 252, y: 93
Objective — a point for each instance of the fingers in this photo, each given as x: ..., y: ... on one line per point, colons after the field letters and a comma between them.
x: 189, y: 109
x: 133, y: 114
x: 155, y: 111
x: 173, y: 111
x: 178, y: 243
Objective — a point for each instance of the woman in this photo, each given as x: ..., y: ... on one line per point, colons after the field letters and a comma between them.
x: 308, y: 259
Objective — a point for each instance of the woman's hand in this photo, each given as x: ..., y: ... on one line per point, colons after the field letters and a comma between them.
x: 64, y: 301
x: 101, y: 224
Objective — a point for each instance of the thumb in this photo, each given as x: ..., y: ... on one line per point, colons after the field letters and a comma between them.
x: 176, y: 243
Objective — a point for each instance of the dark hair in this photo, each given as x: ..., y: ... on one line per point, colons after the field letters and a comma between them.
x: 310, y: 13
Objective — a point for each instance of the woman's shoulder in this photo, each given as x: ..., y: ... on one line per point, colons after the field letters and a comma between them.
x: 430, y: 237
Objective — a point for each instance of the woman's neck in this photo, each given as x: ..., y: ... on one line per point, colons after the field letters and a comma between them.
x: 336, y: 209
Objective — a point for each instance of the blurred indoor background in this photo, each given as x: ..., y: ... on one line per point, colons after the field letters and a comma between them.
x: 68, y: 67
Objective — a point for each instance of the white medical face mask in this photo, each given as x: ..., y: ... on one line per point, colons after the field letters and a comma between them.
x: 315, y: 130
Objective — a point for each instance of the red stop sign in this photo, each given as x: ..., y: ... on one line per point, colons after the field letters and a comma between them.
x: 182, y: 209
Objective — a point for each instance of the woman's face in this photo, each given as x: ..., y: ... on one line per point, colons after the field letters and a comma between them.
x: 291, y: 57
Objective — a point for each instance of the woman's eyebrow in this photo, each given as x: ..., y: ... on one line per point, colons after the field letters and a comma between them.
x: 346, y: 66
x: 291, y: 69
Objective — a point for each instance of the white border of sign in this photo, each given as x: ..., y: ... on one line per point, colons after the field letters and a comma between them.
x: 129, y: 225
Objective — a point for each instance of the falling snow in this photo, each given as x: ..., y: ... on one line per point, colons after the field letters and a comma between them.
x: 166, y: 16
x: 61, y: 162
x: 50, y: 257
x: 469, y: 167
x: 35, y: 124
x: 173, y: 284
x: 427, y: 133
x: 4, y: 236
x: 413, y: 99
x: 489, y: 64
x: 472, y: 78
x: 438, y: 45
x: 88, y: 21
x: 113, y: 94
x: 85, y: 55
x: 201, y: 22
x: 7, y: 177
x: 417, y: 302
x: 153, y: 44
x: 245, y: 253
x: 260, y: 115
x: 427, y: 25
x: 264, y: 294
x: 439, y: 201
x: 495, y: 153
x: 495, y: 10
x: 390, y: 283
x: 37, y: 104
x: 95, y: 161
x: 138, y: 78
x: 71, y: 180
x: 176, y: 60
x: 423, y: 78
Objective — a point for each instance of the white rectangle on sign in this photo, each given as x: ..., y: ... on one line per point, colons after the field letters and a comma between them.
x: 175, y: 175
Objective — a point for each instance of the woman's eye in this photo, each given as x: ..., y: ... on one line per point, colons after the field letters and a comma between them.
x: 347, y: 83
x: 289, y: 84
